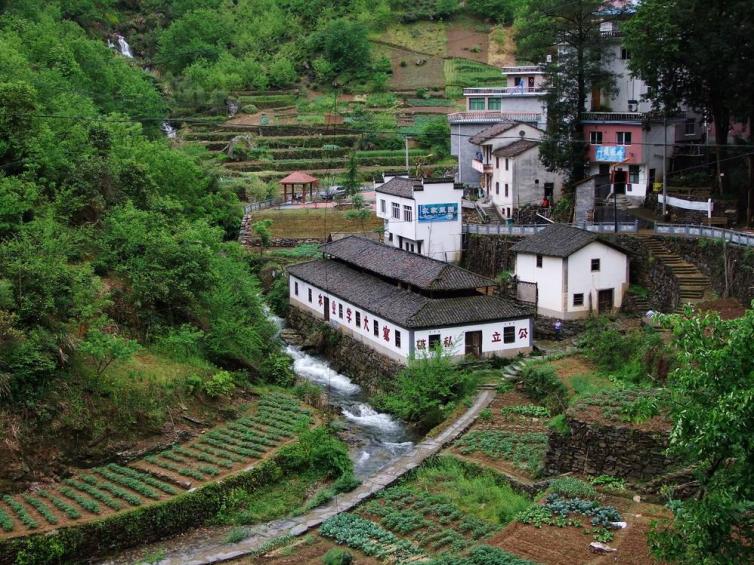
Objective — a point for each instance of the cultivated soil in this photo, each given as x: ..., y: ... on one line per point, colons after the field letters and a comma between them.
x: 466, y: 42
x: 308, y: 550
x: 550, y: 545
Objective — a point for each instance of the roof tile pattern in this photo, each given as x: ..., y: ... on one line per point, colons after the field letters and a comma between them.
x: 490, y: 132
x: 403, y: 307
x: 398, y: 186
x: 417, y: 270
x: 557, y: 240
x: 516, y: 148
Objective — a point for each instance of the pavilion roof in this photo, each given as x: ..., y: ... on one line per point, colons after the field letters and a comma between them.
x: 298, y: 177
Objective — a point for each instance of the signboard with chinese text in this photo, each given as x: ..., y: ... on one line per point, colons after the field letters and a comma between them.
x: 447, y: 212
x: 610, y: 153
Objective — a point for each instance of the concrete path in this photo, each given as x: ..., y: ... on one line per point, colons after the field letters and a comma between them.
x: 217, y: 551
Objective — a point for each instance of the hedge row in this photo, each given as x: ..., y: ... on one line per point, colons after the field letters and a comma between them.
x: 76, y: 544
x: 315, y: 164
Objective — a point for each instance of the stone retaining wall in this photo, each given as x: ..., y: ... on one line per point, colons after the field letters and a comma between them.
x: 488, y: 255
x: 708, y: 256
x: 361, y: 363
x: 597, y: 449
x: 655, y: 276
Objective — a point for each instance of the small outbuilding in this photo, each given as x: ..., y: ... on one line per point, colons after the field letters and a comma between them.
x: 573, y: 272
x: 300, y: 179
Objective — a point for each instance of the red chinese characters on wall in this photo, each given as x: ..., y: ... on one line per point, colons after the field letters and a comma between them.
x: 348, y: 315
x: 421, y: 344
x: 447, y: 342
x: 366, y: 323
x: 319, y: 299
x: 333, y: 308
x: 385, y: 333
x: 496, y: 337
x: 523, y: 333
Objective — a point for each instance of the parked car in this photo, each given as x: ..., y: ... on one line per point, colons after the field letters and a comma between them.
x: 331, y: 192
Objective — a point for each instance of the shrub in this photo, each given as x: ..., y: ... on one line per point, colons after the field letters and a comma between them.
x: 337, y: 556
x: 541, y: 383
x: 559, y: 424
x: 219, y: 384
x: 573, y: 488
x: 236, y: 535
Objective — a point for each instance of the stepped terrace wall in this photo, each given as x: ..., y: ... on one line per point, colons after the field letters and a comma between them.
x: 598, y: 449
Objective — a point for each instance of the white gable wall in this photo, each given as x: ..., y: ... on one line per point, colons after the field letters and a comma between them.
x: 549, y: 279
x: 613, y: 274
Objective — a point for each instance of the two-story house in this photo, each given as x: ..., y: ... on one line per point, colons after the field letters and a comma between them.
x: 421, y: 215
x: 512, y: 175
x: 520, y: 99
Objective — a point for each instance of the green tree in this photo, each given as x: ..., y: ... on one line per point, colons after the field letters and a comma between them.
x: 262, y: 229
x: 500, y: 11
x: 695, y: 51
x: 435, y: 134
x: 351, y: 183
x: 344, y: 44
x: 106, y: 348
x: 569, y: 31
x: 359, y: 211
x: 713, y: 398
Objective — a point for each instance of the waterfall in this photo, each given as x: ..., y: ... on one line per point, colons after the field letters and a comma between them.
x: 169, y: 130
x: 124, y: 47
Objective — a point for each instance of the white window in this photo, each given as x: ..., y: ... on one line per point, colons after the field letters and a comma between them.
x: 383, y: 205
x: 578, y: 299
x: 509, y: 334
x: 396, y: 211
x: 595, y: 265
x: 595, y: 137
x: 623, y: 137
x: 408, y: 213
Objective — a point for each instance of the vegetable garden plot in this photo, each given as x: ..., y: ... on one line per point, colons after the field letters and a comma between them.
x: 111, y: 488
x: 431, y: 521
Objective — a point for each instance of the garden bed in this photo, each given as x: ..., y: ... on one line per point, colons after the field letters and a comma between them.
x: 101, y: 492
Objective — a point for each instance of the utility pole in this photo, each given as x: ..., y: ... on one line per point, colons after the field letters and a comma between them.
x: 406, y: 144
x: 665, y: 164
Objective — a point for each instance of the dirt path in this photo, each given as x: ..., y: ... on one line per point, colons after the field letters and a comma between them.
x: 212, y: 549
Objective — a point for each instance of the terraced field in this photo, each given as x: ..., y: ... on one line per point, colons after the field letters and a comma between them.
x: 102, y: 491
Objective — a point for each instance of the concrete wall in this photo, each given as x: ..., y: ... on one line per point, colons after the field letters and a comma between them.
x: 613, y: 274
x: 454, y: 339
x: 465, y: 151
x: 526, y: 177
x: 550, y: 279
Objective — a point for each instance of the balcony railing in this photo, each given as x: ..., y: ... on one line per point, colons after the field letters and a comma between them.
x: 524, y: 69
x: 504, y: 91
x: 611, y: 33
x: 628, y: 116
x: 493, y: 116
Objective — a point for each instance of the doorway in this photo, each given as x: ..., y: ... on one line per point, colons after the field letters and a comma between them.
x: 605, y: 301
x: 619, y: 182
x: 327, y: 308
x: 474, y: 344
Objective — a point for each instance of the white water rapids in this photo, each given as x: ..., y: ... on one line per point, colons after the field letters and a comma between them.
x: 377, y: 438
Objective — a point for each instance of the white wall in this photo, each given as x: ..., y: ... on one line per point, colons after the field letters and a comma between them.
x: 523, y: 172
x: 440, y: 240
x: 613, y: 274
x: 378, y: 342
x: 549, y: 279
x: 410, y: 338
x: 454, y: 339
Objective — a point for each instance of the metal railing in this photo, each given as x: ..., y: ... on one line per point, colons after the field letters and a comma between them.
x: 503, y: 90
x: 522, y: 69
x: 261, y: 205
x: 531, y: 229
x: 691, y: 230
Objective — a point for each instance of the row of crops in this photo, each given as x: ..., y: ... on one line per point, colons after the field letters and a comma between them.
x: 114, y: 488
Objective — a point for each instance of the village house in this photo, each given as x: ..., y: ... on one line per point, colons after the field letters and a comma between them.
x: 421, y: 215
x: 520, y: 99
x: 401, y: 304
x: 512, y: 173
x: 570, y: 273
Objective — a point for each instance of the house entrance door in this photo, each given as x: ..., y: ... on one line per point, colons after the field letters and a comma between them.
x: 605, y: 300
x: 326, y: 302
x: 619, y: 182
x: 474, y: 344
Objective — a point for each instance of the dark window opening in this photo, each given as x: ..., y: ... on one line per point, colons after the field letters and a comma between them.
x: 509, y: 334
x: 595, y: 265
x: 578, y: 299
x: 539, y: 261
x: 376, y: 329
x: 295, y: 288
x: 340, y: 311
x: 397, y: 338
x: 358, y: 319
x: 310, y: 295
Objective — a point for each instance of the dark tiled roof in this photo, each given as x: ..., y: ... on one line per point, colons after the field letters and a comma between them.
x: 490, y: 132
x: 398, y: 186
x: 411, y: 268
x: 515, y: 148
x: 400, y: 306
x: 558, y: 240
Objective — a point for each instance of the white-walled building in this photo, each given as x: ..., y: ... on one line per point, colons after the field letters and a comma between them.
x: 575, y: 272
x: 512, y: 174
x: 422, y: 215
x: 402, y: 304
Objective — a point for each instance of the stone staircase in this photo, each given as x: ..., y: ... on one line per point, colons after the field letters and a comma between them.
x: 622, y: 201
x: 693, y: 283
x: 509, y: 373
